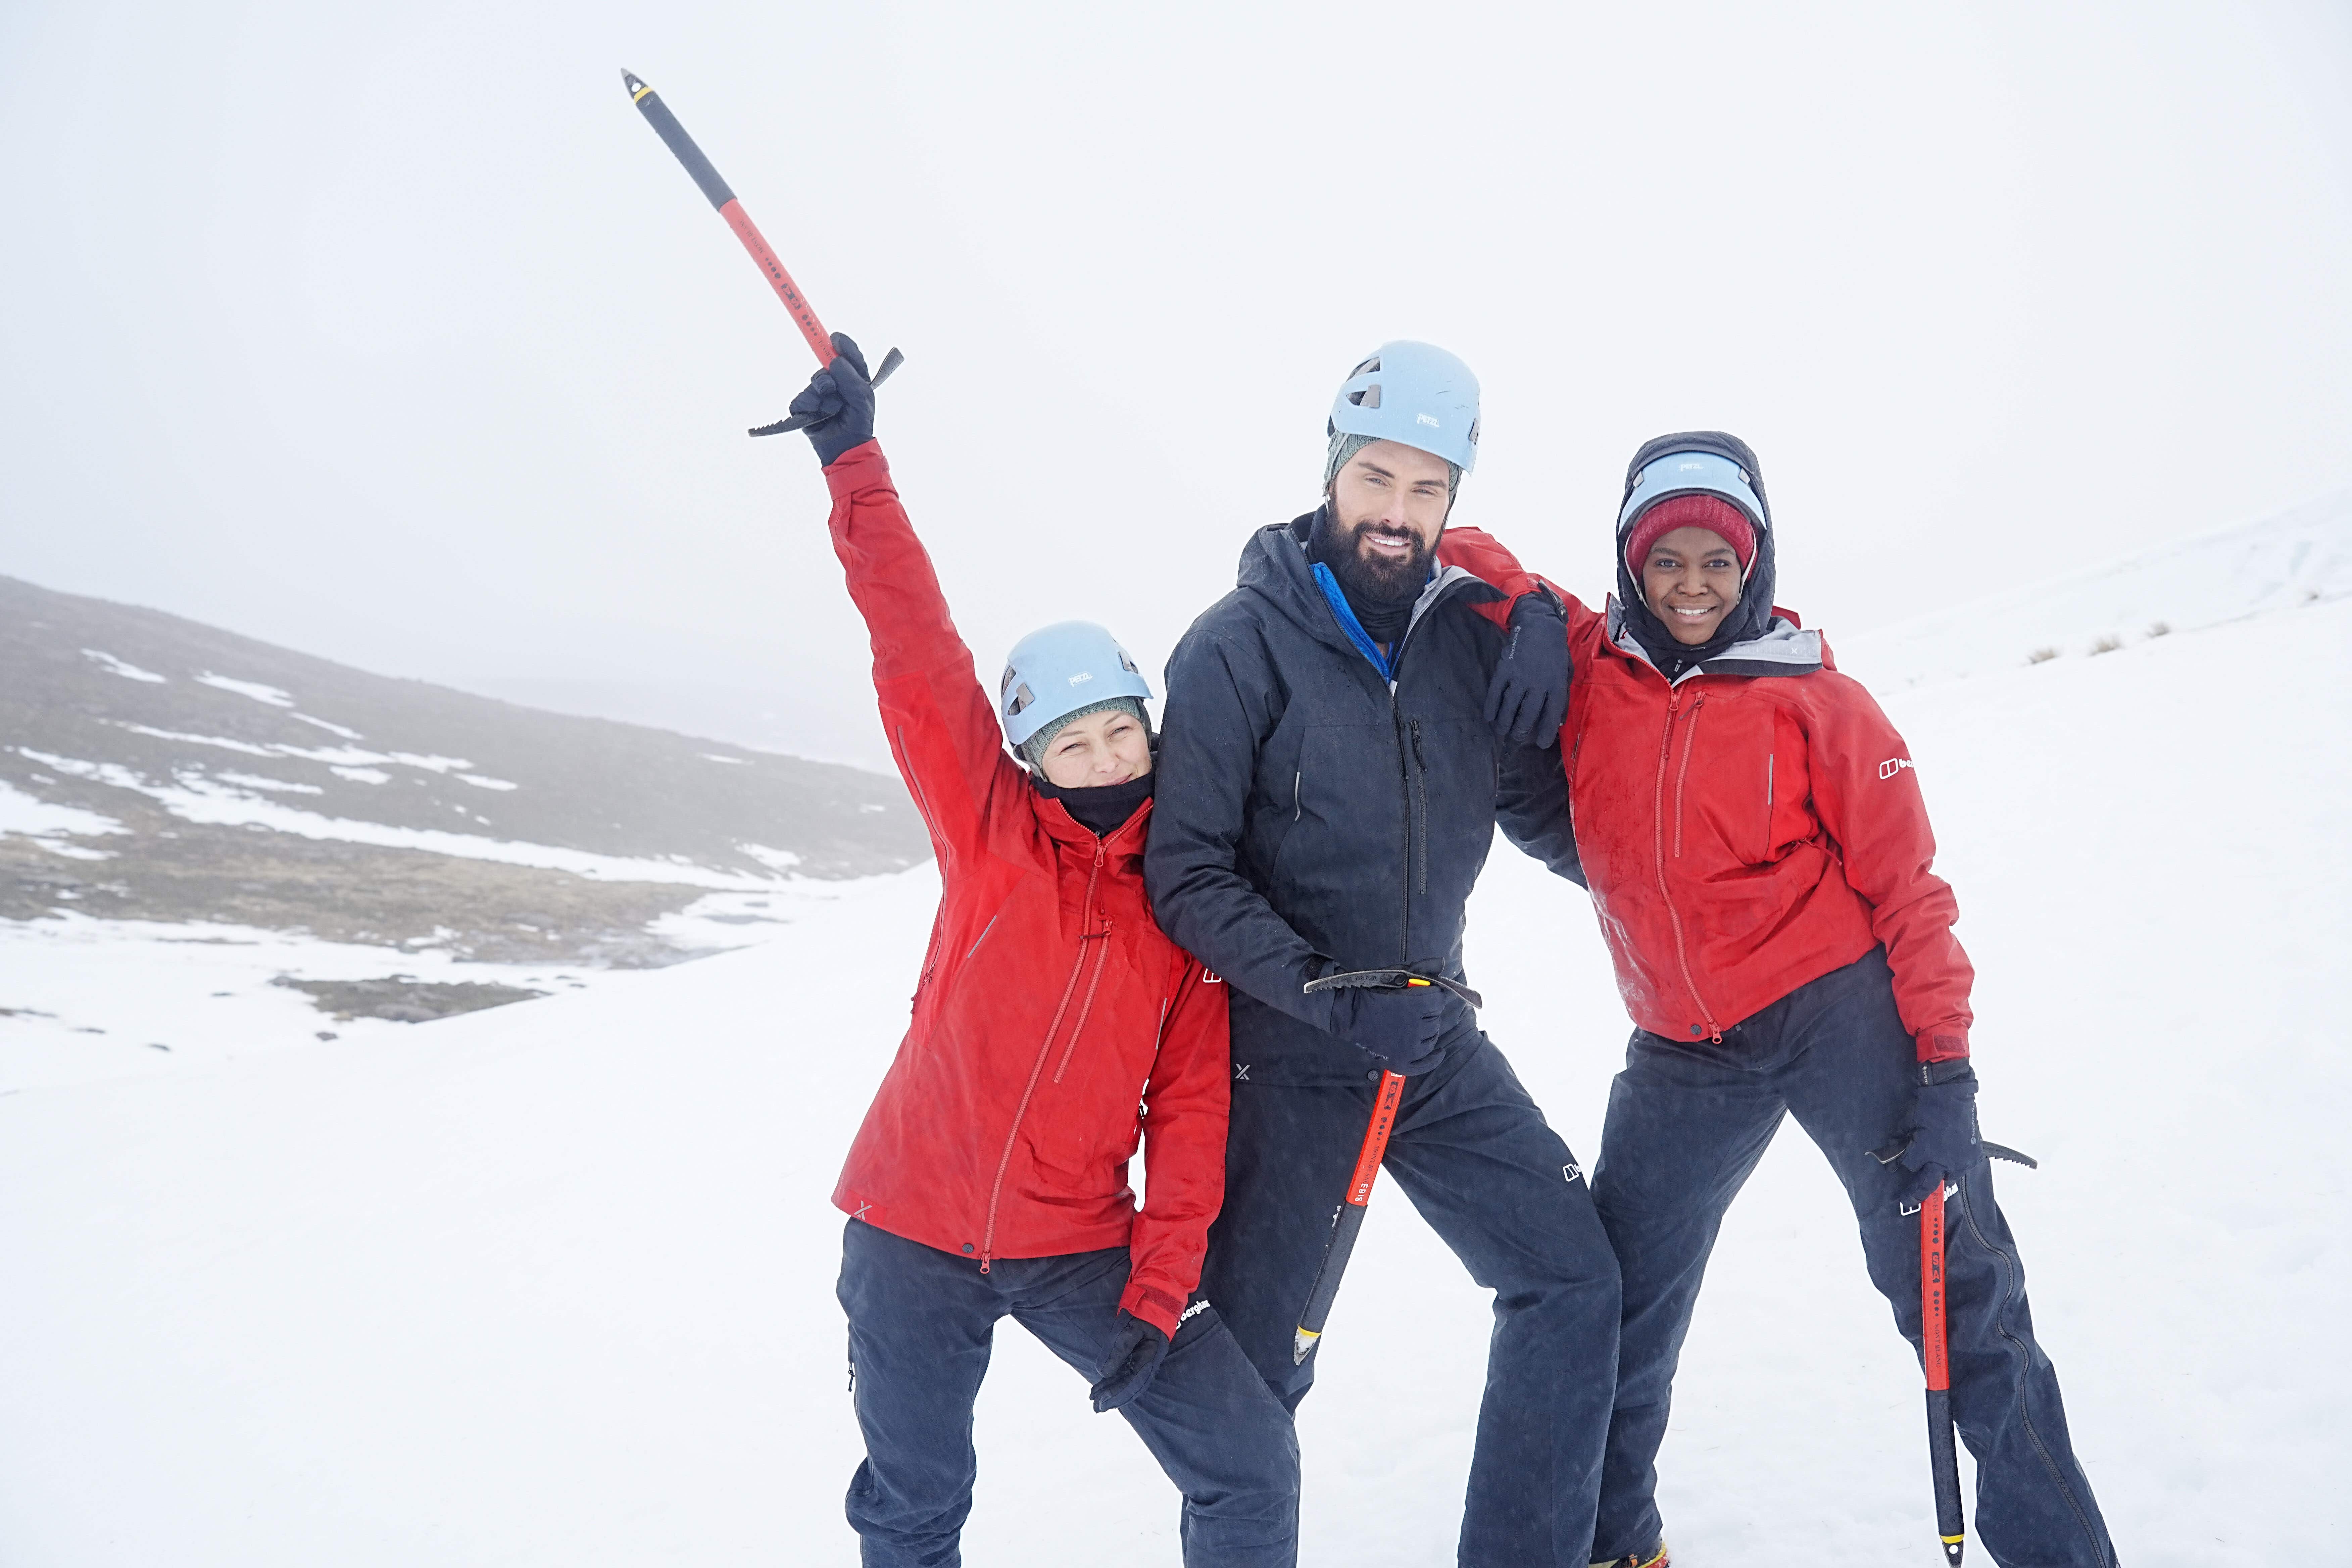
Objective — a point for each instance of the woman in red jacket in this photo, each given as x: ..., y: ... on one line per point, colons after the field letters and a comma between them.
x: 1054, y: 1028
x: 1753, y: 835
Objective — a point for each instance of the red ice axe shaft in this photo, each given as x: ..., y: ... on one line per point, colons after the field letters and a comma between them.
x: 1350, y: 1217
x: 1943, y: 1457
x: 1934, y: 1343
x: 682, y: 146
x: 1348, y: 1220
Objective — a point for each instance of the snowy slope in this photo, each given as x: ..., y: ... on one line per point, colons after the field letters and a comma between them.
x: 156, y: 770
x: 2296, y: 558
x: 552, y: 1284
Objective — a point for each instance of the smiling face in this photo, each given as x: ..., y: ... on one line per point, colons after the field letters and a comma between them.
x: 1690, y: 580
x: 1105, y: 748
x: 1388, y: 505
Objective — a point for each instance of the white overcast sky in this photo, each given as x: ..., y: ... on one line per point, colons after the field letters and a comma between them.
x: 392, y: 333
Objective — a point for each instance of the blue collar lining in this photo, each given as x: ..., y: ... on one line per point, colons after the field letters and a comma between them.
x: 1338, y: 599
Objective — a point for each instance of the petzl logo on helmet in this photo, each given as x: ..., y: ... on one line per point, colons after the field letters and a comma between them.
x: 1413, y: 394
x: 1082, y: 676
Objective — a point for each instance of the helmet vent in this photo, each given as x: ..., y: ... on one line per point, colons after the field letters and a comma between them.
x: 1366, y: 368
x: 1370, y: 397
x: 1473, y: 431
x: 1127, y: 664
x: 1020, y: 699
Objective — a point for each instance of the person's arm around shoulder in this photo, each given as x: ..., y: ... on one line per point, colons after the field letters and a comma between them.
x: 1527, y: 697
x: 942, y: 727
x: 1867, y: 794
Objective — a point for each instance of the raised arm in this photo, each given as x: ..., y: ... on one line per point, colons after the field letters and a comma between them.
x: 942, y: 726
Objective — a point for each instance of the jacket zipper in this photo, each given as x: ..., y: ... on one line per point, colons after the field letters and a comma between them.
x: 1658, y: 812
x: 1004, y: 1161
x: 1102, y: 955
x: 1404, y: 777
x: 1420, y: 816
x: 1690, y: 745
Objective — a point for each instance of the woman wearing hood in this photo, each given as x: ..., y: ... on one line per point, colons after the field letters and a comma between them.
x: 1758, y: 854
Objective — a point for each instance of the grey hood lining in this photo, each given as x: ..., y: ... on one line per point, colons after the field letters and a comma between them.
x: 1784, y: 648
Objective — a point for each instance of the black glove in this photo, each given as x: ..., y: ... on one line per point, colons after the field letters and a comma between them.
x: 1528, y: 696
x: 842, y: 395
x: 1136, y: 1352
x: 1943, y: 1130
x: 1399, y: 1026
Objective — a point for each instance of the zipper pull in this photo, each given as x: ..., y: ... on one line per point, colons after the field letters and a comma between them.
x: 1418, y: 758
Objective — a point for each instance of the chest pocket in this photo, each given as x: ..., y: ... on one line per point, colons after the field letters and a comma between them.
x: 1726, y: 780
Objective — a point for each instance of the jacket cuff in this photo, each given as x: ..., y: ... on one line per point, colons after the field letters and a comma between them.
x: 1943, y: 1044
x: 861, y: 468
x: 1158, y: 1309
x: 1542, y: 598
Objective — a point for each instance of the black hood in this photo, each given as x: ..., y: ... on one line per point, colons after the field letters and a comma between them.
x: 1752, y: 616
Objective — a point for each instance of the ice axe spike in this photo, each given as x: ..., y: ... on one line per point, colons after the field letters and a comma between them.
x: 706, y: 177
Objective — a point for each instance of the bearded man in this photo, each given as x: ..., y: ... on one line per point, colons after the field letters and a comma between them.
x: 1343, y: 733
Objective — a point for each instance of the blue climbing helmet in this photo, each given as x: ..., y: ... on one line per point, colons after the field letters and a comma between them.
x: 1056, y: 670
x: 1415, y: 394
x: 1694, y: 470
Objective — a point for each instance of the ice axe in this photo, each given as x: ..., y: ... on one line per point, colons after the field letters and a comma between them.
x: 1935, y: 1352
x: 820, y: 341
x: 1350, y: 1217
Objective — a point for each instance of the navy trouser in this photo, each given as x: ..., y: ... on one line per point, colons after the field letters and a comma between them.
x: 1477, y: 1158
x: 1688, y: 1121
x: 920, y: 1323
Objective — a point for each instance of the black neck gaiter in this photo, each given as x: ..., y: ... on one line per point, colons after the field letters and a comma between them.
x: 1100, y: 809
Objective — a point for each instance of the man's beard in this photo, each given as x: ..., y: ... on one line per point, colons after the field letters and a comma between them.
x: 1385, y: 579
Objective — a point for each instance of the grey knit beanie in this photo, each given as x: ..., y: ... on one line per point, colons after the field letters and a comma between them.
x: 1344, y: 446
x: 1034, y: 747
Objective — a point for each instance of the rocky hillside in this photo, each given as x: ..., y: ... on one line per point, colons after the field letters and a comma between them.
x: 153, y: 768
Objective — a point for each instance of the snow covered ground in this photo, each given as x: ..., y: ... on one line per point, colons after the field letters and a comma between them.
x: 552, y: 1283
x: 83, y: 1000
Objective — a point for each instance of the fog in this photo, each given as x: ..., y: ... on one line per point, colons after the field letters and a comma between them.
x: 394, y: 334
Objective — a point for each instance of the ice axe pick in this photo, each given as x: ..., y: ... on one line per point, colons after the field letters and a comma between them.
x: 681, y: 145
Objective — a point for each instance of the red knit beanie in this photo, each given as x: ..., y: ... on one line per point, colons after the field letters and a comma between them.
x: 1711, y: 512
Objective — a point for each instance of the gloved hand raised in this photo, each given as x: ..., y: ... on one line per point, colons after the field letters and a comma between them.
x: 1943, y: 1130
x: 1401, y: 1026
x: 1133, y: 1361
x: 842, y: 397
x: 1528, y: 698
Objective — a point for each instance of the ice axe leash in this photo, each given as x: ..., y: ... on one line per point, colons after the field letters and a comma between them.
x: 681, y: 145
x: 1350, y: 1217
x: 1934, y: 1349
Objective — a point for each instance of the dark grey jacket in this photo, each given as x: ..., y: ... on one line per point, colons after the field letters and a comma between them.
x: 1312, y: 815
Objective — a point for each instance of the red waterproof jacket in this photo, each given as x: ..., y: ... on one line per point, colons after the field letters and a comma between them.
x: 1744, y: 833
x: 1055, y: 1026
